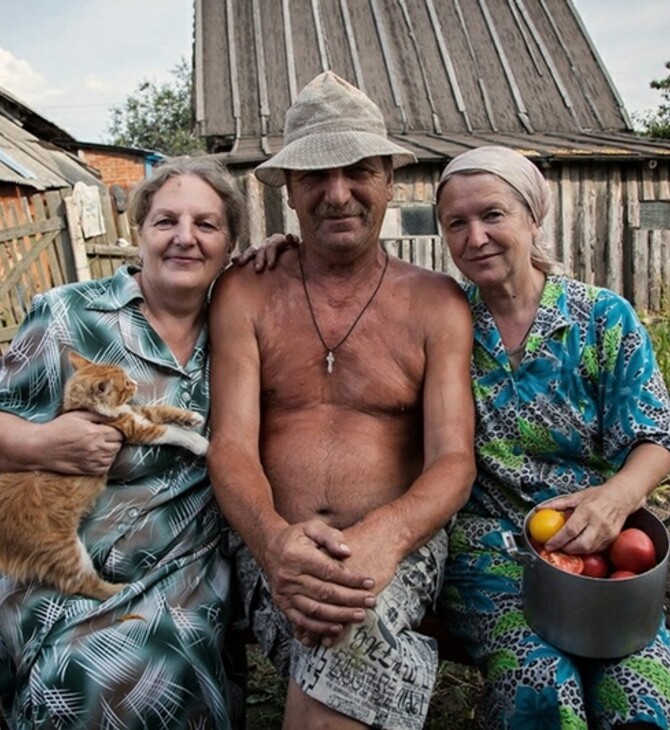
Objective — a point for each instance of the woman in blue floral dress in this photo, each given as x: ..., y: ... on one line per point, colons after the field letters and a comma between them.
x: 154, y: 655
x: 570, y: 405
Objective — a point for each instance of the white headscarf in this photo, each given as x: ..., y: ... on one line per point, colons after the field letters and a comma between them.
x: 510, y: 166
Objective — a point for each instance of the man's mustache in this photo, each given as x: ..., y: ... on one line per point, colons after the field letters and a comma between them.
x: 326, y: 210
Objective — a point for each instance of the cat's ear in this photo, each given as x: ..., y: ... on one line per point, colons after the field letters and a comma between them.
x: 78, y: 361
x: 103, y: 387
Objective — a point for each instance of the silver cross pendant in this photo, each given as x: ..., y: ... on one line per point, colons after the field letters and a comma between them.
x: 330, y: 359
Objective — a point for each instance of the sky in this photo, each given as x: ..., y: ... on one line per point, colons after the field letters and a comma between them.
x: 74, y: 60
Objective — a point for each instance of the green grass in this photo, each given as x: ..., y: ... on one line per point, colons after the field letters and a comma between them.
x: 457, y: 694
x: 265, y: 693
x: 658, y: 326
x: 659, y: 330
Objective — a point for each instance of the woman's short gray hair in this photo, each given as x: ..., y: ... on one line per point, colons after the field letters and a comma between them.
x: 208, y: 168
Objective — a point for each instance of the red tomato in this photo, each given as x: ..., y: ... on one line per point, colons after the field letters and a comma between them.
x: 563, y: 561
x: 623, y: 574
x: 595, y: 565
x: 632, y: 550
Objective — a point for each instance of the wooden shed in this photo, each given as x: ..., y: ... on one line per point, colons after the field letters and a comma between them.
x: 448, y: 75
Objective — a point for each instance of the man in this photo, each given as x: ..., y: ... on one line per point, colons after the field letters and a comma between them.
x: 342, y: 427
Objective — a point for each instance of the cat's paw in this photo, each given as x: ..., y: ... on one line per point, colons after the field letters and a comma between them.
x: 192, y: 419
x: 198, y: 444
x: 184, y: 437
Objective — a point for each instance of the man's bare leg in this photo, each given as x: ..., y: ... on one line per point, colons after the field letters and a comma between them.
x: 303, y: 712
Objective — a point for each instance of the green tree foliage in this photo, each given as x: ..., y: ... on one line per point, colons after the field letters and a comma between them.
x: 657, y: 123
x: 158, y: 116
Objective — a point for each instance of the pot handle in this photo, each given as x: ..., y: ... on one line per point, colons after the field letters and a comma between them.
x: 511, y: 542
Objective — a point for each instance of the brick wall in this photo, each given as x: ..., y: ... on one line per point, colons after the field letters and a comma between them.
x: 116, y: 168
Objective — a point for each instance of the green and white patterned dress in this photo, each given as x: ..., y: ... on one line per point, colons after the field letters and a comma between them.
x: 153, y: 656
x: 586, y: 391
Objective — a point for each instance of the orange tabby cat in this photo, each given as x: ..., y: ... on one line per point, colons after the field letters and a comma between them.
x: 40, y: 511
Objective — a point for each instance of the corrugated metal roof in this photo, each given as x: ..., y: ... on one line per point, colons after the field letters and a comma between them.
x: 447, y: 74
x: 19, y: 112
x: 26, y: 160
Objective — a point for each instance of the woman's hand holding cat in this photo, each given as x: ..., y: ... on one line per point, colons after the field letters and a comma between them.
x: 80, y: 443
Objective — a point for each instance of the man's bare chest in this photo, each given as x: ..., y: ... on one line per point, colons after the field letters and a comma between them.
x: 369, y: 373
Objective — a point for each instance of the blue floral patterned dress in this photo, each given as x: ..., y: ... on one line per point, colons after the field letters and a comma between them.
x: 153, y: 656
x: 586, y: 391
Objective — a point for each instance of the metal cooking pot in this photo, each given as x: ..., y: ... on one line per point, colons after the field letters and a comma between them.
x: 596, y: 618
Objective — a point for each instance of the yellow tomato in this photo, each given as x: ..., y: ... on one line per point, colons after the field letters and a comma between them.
x: 545, y: 523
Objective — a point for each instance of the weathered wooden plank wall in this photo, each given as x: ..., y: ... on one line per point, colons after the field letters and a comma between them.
x: 599, y: 235
x: 595, y: 229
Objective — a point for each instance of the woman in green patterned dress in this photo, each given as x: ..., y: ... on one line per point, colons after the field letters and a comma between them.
x: 152, y: 656
x: 570, y: 404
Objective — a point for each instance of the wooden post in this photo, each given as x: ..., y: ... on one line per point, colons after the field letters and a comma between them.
x: 255, y: 211
x: 82, y: 268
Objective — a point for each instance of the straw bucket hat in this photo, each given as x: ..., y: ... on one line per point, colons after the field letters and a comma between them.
x: 330, y: 124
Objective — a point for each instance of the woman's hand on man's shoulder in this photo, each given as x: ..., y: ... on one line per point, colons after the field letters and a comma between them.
x: 267, y: 254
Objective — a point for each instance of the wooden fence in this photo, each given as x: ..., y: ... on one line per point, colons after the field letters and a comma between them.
x: 41, y: 246
x: 35, y: 255
x: 104, y: 260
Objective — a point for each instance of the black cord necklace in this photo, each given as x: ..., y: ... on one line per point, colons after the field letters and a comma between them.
x: 330, y: 351
x: 522, y: 345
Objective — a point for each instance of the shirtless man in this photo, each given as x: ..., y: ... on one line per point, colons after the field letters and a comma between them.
x: 342, y: 427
